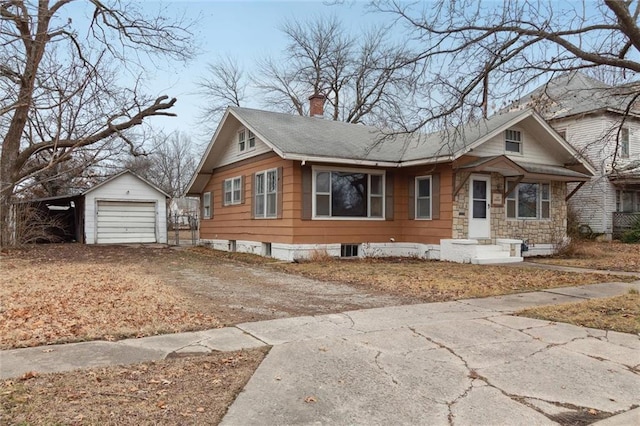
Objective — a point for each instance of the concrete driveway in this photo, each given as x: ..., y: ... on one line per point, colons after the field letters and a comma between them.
x: 468, y: 362
x: 456, y: 363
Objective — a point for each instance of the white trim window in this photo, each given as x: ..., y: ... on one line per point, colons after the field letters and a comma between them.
x: 233, y: 191
x: 242, y: 143
x: 529, y: 200
x: 246, y: 140
x: 513, y: 141
x: 348, y: 194
x: 423, y: 197
x: 266, y: 194
x: 627, y: 201
x: 206, y: 205
x: 624, y: 142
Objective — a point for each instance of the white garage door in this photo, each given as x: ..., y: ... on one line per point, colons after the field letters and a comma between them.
x: 126, y: 222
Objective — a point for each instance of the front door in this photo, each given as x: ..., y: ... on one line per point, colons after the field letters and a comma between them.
x: 479, y: 207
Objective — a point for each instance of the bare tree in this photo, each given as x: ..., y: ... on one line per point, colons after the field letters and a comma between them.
x: 59, y: 94
x: 170, y: 163
x: 364, y: 78
x: 225, y: 84
x: 476, y: 56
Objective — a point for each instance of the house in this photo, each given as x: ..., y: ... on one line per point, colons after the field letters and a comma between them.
x: 287, y: 186
x: 592, y: 117
x: 125, y: 208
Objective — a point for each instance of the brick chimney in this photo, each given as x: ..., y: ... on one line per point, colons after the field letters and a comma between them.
x: 316, y: 105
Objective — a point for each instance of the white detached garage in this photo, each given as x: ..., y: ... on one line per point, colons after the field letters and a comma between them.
x: 125, y: 209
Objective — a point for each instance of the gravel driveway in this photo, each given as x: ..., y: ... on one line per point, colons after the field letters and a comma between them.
x: 236, y: 292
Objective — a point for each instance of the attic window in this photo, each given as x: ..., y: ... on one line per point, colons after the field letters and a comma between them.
x: 513, y: 141
x: 246, y: 140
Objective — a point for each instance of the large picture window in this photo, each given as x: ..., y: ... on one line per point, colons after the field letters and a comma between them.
x: 348, y: 194
x: 266, y: 194
x: 233, y: 191
x: 529, y: 200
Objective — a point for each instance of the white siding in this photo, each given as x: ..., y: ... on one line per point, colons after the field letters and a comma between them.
x: 127, y: 188
x: 594, y: 136
x: 231, y: 152
x: 533, y: 150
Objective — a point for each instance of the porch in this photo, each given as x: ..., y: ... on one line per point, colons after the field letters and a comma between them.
x: 623, y: 222
x: 505, y: 250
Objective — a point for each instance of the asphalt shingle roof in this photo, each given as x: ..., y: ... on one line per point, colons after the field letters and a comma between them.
x: 316, y: 137
x: 575, y: 93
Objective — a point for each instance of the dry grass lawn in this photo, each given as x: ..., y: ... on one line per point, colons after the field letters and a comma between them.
x: 45, y: 302
x: 435, y: 281
x: 187, y: 391
x: 612, y: 256
x: 620, y: 313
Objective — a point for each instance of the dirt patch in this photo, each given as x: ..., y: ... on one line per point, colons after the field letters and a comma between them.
x: 181, y: 391
x: 71, y: 292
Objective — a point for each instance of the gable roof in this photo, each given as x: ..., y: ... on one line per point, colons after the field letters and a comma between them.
x: 96, y: 186
x: 575, y: 93
x: 311, y: 139
x: 124, y: 172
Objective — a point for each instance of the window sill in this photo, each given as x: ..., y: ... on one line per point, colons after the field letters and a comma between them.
x: 373, y: 219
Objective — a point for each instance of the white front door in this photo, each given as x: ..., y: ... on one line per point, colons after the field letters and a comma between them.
x: 479, y: 207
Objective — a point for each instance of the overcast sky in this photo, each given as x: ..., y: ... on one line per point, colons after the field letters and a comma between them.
x: 247, y: 30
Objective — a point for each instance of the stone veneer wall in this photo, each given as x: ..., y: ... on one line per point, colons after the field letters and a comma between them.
x: 548, y: 231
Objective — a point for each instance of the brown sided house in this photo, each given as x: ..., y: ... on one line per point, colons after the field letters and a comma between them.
x: 286, y: 186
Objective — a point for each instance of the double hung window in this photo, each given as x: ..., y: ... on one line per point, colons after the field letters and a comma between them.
x: 266, y: 193
x: 233, y: 191
x: 528, y: 200
x: 513, y: 141
x: 206, y: 205
x: 423, y: 197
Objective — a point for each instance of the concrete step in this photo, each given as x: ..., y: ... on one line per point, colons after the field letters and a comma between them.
x: 491, y: 260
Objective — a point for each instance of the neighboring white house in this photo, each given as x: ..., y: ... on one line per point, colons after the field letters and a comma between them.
x: 592, y: 117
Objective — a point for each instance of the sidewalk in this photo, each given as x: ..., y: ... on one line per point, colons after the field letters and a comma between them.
x: 467, y: 362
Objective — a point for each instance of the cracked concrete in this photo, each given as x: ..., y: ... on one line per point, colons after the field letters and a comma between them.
x: 453, y: 363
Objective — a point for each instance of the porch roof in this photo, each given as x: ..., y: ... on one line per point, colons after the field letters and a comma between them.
x: 627, y: 175
x: 509, y: 167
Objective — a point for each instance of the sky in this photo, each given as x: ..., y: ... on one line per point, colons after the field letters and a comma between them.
x: 246, y: 30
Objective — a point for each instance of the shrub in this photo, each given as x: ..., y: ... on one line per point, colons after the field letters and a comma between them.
x: 632, y: 235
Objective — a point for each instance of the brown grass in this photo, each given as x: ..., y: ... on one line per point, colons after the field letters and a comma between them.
x: 613, y: 256
x: 170, y: 392
x: 621, y: 313
x: 45, y: 302
x: 436, y: 281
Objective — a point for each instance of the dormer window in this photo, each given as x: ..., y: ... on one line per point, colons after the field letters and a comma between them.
x: 246, y: 140
x: 242, y: 145
x: 513, y: 141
